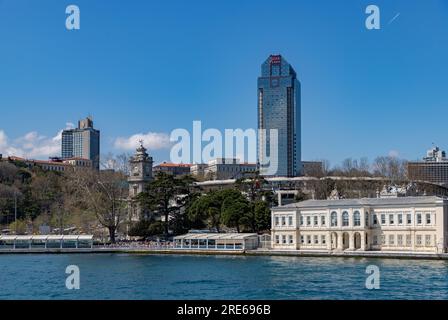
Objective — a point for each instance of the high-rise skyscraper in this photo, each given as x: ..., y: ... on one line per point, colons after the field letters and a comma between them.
x: 279, y: 108
x: 82, y: 142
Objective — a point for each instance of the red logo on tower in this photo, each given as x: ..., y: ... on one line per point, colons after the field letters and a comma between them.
x: 276, y: 59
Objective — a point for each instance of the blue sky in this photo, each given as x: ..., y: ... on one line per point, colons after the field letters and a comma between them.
x: 153, y: 66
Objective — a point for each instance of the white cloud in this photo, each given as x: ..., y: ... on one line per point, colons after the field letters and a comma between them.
x: 151, y: 141
x: 32, y: 145
x: 394, y: 153
x: 3, y: 139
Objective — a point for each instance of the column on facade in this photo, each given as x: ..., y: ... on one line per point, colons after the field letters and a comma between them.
x: 413, y: 240
x: 298, y: 240
x: 351, y: 221
x: 339, y: 215
x: 329, y: 241
x: 340, y: 245
x: 363, y: 217
x: 351, y: 241
x: 363, y: 240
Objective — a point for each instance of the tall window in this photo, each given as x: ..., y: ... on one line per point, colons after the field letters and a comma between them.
x: 419, y: 240
x: 428, y: 218
x: 334, y: 219
x: 391, y: 240
x: 357, y: 218
x: 408, y: 240
x: 290, y: 220
x: 315, y: 220
x: 345, y: 219
x: 419, y: 218
x: 367, y: 219
x: 427, y: 240
x: 391, y: 219
x: 322, y: 220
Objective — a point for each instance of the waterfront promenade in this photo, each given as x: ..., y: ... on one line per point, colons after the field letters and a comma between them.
x: 168, y: 248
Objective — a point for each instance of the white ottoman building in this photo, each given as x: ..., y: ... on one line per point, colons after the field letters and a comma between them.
x: 405, y: 224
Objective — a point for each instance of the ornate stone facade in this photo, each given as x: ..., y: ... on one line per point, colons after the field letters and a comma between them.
x: 406, y: 224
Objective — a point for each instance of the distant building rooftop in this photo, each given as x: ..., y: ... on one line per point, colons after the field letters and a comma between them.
x: 169, y: 164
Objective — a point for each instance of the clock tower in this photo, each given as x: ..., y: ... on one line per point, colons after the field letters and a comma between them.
x: 139, y: 176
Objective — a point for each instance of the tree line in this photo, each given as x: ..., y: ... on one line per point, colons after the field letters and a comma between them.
x: 174, y: 205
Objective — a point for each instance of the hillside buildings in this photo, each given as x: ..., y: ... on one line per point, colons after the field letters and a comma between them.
x: 53, y: 164
x: 223, y: 168
x: 433, y: 168
x: 279, y: 107
x: 407, y: 224
x: 176, y: 169
x: 82, y: 142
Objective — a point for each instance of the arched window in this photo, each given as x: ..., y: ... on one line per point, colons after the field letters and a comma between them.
x: 356, y: 218
x: 345, y: 219
x: 334, y: 219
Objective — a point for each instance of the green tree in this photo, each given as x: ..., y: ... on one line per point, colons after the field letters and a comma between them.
x: 262, y: 216
x: 147, y: 228
x: 235, y: 209
x: 167, y: 196
x: 206, y: 210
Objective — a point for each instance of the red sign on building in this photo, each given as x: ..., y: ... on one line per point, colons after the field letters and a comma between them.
x: 276, y: 59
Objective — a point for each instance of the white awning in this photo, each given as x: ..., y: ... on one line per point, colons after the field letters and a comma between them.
x: 46, y: 237
x: 216, y: 236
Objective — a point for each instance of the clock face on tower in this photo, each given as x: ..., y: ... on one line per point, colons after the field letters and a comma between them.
x: 135, y: 170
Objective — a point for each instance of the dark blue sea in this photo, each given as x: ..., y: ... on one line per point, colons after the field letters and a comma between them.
x: 130, y: 276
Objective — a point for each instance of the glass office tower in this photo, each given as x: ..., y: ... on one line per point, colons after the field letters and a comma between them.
x: 279, y: 108
x: 82, y: 142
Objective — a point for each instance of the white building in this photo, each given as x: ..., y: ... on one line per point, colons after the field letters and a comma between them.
x: 406, y: 224
x: 228, y: 168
